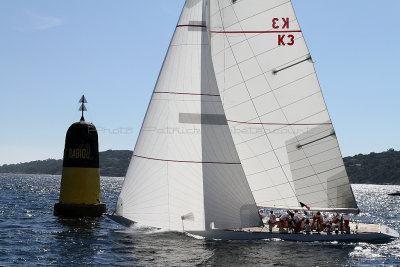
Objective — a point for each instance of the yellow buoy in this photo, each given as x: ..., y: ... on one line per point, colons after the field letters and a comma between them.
x: 80, y: 181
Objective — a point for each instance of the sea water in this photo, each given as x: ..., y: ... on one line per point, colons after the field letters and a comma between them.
x: 31, y: 235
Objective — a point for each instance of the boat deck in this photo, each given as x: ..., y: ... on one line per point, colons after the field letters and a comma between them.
x: 365, y: 232
x: 363, y: 228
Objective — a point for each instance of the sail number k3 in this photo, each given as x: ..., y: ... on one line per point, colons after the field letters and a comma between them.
x: 283, y: 39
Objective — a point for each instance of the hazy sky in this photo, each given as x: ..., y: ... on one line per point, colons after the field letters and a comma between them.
x: 51, y: 52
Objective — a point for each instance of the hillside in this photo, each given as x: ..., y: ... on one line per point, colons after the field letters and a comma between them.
x: 112, y: 163
x: 373, y: 168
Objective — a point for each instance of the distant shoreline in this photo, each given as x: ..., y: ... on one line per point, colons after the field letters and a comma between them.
x: 101, y: 176
x: 373, y: 168
x: 113, y: 163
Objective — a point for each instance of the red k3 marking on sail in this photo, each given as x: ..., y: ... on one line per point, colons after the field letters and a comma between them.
x: 282, y: 38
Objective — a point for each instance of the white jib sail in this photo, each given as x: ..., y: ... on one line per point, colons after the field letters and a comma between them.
x: 274, y: 106
x: 185, y: 174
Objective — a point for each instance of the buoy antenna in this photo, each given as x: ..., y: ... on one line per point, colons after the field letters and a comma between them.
x: 83, y: 107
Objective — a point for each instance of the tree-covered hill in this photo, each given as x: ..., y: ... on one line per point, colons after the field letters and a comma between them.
x: 112, y: 163
x: 374, y: 168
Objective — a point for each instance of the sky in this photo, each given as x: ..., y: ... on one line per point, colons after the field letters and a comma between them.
x: 52, y: 52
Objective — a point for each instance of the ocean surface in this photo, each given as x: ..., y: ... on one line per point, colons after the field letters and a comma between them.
x: 31, y: 235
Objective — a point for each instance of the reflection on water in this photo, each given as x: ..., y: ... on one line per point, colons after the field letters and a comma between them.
x: 277, y: 253
x: 31, y: 235
x: 162, y: 248
x: 76, y: 238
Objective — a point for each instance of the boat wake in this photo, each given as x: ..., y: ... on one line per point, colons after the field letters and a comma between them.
x: 143, y: 230
x: 198, y: 237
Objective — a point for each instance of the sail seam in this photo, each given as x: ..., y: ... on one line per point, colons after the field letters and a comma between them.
x: 269, y: 151
x: 282, y: 107
x: 316, y: 163
x: 310, y: 203
x: 332, y: 187
x: 286, y: 164
x: 276, y: 130
x: 278, y: 88
x: 302, y: 178
x: 312, y: 115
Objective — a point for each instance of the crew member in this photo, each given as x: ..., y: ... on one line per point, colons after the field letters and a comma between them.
x: 317, y: 221
x: 346, y: 219
x: 298, y: 220
x: 271, y: 221
x: 284, y: 220
x: 336, y: 218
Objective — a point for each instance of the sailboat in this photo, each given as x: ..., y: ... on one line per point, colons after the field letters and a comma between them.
x: 237, y: 121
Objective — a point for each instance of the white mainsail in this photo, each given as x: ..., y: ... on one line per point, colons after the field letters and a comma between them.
x: 273, y: 103
x: 185, y: 174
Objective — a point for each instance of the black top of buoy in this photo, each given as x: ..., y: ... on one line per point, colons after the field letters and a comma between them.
x: 81, y: 146
x: 83, y: 107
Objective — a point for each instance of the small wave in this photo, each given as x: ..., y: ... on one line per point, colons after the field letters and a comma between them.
x: 143, y: 229
x: 195, y: 236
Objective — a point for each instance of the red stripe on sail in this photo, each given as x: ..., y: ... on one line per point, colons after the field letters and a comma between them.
x: 188, y: 161
x: 255, y: 31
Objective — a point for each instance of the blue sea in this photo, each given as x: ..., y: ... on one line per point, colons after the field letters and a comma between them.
x: 31, y: 235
